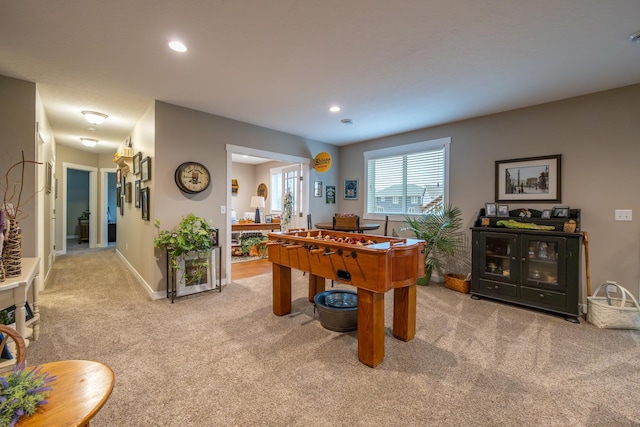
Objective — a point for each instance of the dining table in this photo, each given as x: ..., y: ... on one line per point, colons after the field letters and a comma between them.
x: 366, y: 226
x: 80, y: 390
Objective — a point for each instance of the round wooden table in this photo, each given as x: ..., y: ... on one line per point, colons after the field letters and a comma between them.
x: 81, y: 389
x: 367, y: 226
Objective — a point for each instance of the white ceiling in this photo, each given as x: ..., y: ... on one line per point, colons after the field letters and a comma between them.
x: 392, y: 65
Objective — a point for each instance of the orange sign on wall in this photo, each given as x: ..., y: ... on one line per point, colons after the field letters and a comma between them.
x: 322, y: 162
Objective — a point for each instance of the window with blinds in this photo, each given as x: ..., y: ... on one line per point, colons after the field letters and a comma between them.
x: 407, y: 179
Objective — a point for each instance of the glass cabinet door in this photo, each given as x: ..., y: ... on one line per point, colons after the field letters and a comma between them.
x: 498, y: 261
x: 542, y: 265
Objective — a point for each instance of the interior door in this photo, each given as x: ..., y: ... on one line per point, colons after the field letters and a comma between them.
x: 292, y: 182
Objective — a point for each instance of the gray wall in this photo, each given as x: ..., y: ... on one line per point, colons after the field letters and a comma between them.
x: 597, y: 136
x: 17, y: 136
x: 182, y: 134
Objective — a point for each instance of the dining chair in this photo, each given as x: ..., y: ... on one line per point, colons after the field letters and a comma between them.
x: 309, y: 223
x: 386, y: 225
x: 346, y: 223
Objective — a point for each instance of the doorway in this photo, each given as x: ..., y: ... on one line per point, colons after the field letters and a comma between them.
x: 300, y: 164
x: 78, y: 199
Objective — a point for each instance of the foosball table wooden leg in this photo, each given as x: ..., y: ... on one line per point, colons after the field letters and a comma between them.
x: 370, y: 327
x: 316, y: 285
x: 404, y: 313
x: 281, y: 290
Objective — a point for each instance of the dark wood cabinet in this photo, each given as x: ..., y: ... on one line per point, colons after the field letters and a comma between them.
x: 534, y: 268
x: 112, y: 232
x: 83, y: 229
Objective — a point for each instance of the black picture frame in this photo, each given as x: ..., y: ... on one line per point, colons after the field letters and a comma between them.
x: 330, y: 194
x: 137, y: 191
x: 560, y: 212
x: 530, y: 179
x: 118, y: 177
x: 145, y: 169
x: 351, y: 189
x: 118, y: 196
x: 127, y: 192
x: 137, y: 158
x: 503, y: 211
x: 144, y: 201
x: 490, y: 209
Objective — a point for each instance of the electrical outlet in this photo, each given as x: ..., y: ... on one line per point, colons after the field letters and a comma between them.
x: 624, y: 214
x: 612, y: 286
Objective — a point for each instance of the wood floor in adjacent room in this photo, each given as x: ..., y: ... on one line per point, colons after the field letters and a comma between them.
x: 242, y: 270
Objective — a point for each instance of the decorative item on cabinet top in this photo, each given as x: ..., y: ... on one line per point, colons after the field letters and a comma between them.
x: 533, y: 219
x: 234, y: 186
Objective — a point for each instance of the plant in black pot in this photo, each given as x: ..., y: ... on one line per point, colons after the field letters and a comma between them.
x: 192, y: 235
x: 440, y: 227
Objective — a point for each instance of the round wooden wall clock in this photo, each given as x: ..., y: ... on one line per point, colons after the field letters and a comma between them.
x: 192, y: 177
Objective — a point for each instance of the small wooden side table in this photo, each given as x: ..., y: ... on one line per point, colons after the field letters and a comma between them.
x: 79, y: 392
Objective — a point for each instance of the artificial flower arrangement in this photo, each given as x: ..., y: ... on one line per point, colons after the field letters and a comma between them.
x: 21, y: 392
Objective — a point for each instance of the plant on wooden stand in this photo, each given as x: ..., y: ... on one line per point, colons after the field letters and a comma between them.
x: 440, y: 227
x: 192, y: 235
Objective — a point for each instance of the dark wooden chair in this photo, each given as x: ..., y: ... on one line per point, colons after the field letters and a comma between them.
x: 386, y: 225
x: 346, y: 223
x: 309, y: 223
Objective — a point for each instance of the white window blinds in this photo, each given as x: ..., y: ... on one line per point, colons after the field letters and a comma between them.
x: 407, y: 182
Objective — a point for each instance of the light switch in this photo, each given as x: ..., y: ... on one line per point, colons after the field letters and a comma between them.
x: 223, y: 209
x: 623, y: 214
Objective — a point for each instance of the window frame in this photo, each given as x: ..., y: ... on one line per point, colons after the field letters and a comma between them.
x: 402, y: 150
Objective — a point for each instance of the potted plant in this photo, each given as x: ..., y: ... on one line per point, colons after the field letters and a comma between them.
x: 440, y: 228
x: 252, y: 246
x: 192, y: 235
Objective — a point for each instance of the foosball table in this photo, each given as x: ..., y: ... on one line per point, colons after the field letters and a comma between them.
x: 373, y: 264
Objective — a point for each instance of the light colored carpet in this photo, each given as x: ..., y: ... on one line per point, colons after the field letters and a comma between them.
x: 224, y: 359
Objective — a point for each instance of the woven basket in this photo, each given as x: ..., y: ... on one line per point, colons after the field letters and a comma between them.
x: 613, y: 313
x: 457, y: 282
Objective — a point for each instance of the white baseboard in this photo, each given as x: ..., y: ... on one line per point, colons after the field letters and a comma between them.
x: 145, y: 285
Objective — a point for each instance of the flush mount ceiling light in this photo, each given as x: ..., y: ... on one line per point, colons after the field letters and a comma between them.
x: 89, y: 142
x: 635, y: 37
x: 177, y: 46
x: 94, y: 117
x: 334, y: 108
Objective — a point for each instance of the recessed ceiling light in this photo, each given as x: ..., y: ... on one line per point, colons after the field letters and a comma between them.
x: 334, y: 109
x: 94, y: 117
x: 177, y: 46
x: 89, y: 142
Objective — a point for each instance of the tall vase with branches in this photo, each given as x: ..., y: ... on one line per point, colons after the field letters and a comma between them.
x: 10, y: 232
